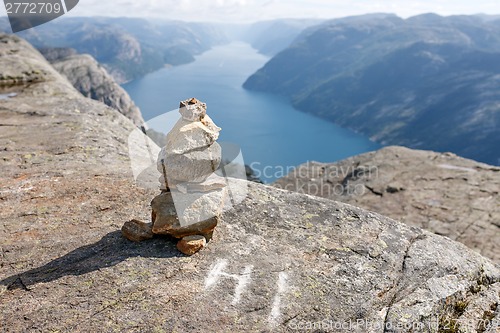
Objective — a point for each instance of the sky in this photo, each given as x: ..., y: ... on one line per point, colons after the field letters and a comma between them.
x: 254, y: 10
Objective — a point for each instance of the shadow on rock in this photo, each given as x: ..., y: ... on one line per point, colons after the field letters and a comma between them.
x: 109, y: 251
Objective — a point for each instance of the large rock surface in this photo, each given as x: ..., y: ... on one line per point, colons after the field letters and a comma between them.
x: 93, y: 81
x: 443, y: 193
x: 278, y: 261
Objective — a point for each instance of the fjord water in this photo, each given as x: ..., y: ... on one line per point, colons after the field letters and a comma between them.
x: 273, y: 136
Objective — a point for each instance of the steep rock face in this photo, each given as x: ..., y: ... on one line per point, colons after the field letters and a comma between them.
x: 442, y: 193
x: 93, y: 81
x: 427, y: 82
x: 279, y: 262
x: 113, y: 47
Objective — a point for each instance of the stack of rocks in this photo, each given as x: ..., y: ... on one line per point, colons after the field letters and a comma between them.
x: 193, y: 195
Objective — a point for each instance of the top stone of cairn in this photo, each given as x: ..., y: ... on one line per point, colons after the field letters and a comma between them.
x: 192, y: 109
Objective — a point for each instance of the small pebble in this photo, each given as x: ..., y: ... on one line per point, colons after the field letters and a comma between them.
x: 189, y: 245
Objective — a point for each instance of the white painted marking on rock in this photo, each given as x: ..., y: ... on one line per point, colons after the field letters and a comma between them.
x: 217, y: 272
x: 243, y: 281
x: 276, y: 309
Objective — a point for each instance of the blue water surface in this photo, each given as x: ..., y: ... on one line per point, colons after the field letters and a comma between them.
x: 273, y: 136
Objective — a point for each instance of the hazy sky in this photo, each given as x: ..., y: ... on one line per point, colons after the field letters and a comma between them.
x: 252, y: 10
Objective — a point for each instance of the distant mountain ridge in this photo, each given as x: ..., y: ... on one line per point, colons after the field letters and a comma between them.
x: 127, y: 47
x: 427, y: 82
x: 271, y: 37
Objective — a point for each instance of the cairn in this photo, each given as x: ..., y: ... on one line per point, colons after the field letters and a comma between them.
x: 193, y: 195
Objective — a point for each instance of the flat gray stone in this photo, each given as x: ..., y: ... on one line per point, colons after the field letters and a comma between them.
x: 194, y: 166
x: 187, y: 136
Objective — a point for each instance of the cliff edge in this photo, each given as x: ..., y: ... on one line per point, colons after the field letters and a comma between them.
x: 443, y: 193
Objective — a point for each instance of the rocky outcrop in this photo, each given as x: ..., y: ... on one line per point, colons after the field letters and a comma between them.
x: 53, y: 54
x: 443, y: 193
x: 278, y: 262
x: 93, y: 81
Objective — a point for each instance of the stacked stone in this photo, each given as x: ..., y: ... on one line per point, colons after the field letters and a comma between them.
x: 192, y: 153
x: 193, y: 196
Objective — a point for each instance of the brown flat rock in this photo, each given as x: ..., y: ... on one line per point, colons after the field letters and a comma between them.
x: 166, y: 219
x: 137, y: 231
x: 189, y: 245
